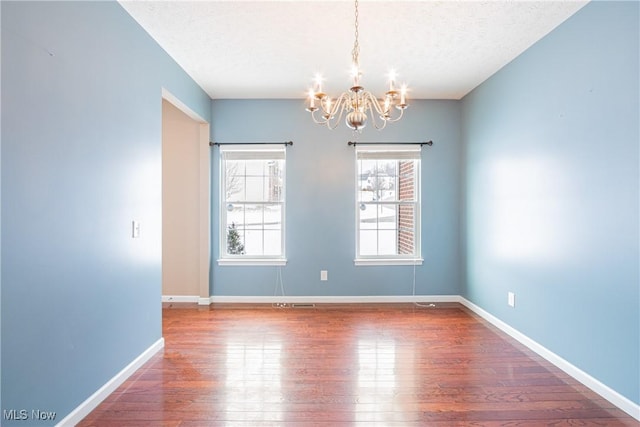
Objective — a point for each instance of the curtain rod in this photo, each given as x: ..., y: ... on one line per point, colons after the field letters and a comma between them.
x: 429, y: 143
x: 211, y: 143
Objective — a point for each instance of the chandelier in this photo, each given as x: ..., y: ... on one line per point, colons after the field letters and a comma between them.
x: 357, y: 102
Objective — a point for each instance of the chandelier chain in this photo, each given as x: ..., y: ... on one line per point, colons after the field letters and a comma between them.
x: 356, y: 45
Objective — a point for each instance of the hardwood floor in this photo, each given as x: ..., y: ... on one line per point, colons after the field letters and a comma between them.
x: 346, y: 365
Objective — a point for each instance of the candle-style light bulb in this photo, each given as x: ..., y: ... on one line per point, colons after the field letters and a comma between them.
x: 312, y: 98
x: 403, y: 94
x: 392, y: 80
x: 355, y: 73
x: 318, y: 83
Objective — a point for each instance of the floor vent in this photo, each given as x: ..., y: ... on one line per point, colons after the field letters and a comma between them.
x: 303, y: 305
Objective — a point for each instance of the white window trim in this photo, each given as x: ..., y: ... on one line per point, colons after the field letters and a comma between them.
x: 401, y: 151
x: 241, y: 260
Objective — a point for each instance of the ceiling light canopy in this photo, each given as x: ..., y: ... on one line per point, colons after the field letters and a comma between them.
x: 357, y: 103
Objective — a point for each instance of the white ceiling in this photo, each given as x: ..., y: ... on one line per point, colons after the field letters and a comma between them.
x: 273, y: 49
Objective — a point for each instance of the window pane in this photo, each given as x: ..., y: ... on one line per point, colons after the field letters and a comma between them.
x: 387, y: 179
x: 406, y: 217
x: 366, y: 194
x: 254, y: 167
x: 387, y: 242
x: 254, y: 226
x: 387, y: 167
x: 406, y: 242
x: 235, y: 240
x: 272, y: 242
x: 387, y: 217
x: 272, y: 217
x: 274, y: 181
x: 368, y: 242
x: 258, y: 228
x: 253, y: 217
x: 234, y: 181
x: 406, y: 180
x: 367, y: 166
x: 366, y: 180
x: 235, y: 215
x: 382, y: 180
x: 255, y: 189
x: 253, y: 242
x: 368, y: 216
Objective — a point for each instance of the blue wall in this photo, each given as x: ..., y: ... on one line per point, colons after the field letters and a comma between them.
x: 320, y: 217
x: 543, y: 158
x: 551, y: 193
x: 81, y: 158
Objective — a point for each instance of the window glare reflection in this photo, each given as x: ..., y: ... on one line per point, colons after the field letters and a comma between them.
x: 253, y: 382
x: 377, y: 382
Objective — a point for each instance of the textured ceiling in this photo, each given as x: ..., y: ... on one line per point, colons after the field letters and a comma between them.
x: 273, y: 49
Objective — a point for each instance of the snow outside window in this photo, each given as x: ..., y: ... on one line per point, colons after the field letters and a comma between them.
x: 388, y: 204
x: 252, y: 205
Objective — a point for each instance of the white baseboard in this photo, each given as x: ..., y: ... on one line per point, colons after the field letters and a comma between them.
x: 180, y: 298
x: 603, y: 390
x: 332, y: 299
x: 103, y: 392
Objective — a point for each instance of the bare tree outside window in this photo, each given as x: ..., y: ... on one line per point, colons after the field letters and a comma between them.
x: 233, y: 180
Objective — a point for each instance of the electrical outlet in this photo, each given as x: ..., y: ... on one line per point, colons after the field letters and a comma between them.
x: 323, y: 275
x: 511, y: 299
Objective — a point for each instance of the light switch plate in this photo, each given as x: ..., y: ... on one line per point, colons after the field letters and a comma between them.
x: 135, y: 229
x: 511, y: 299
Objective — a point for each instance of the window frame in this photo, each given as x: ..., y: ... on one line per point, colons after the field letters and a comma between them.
x: 396, y: 152
x: 250, y: 152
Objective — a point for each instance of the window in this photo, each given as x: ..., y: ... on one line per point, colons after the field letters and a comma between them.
x: 252, y: 205
x: 388, y: 204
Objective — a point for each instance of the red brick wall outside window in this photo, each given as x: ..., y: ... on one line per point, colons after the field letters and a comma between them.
x: 406, y: 220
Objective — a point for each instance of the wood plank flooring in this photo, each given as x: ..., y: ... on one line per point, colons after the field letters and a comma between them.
x: 346, y: 365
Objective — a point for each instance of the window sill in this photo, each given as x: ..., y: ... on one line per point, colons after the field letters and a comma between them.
x: 388, y: 261
x: 252, y: 261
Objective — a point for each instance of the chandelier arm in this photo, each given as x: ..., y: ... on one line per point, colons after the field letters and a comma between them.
x: 397, y: 118
x: 323, y: 107
x: 374, y: 101
x: 329, y: 116
x: 382, y: 114
x: 341, y: 104
x: 374, y: 120
x: 316, y: 121
x: 336, y: 122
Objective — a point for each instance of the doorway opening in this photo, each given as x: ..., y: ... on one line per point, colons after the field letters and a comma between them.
x: 186, y: 172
